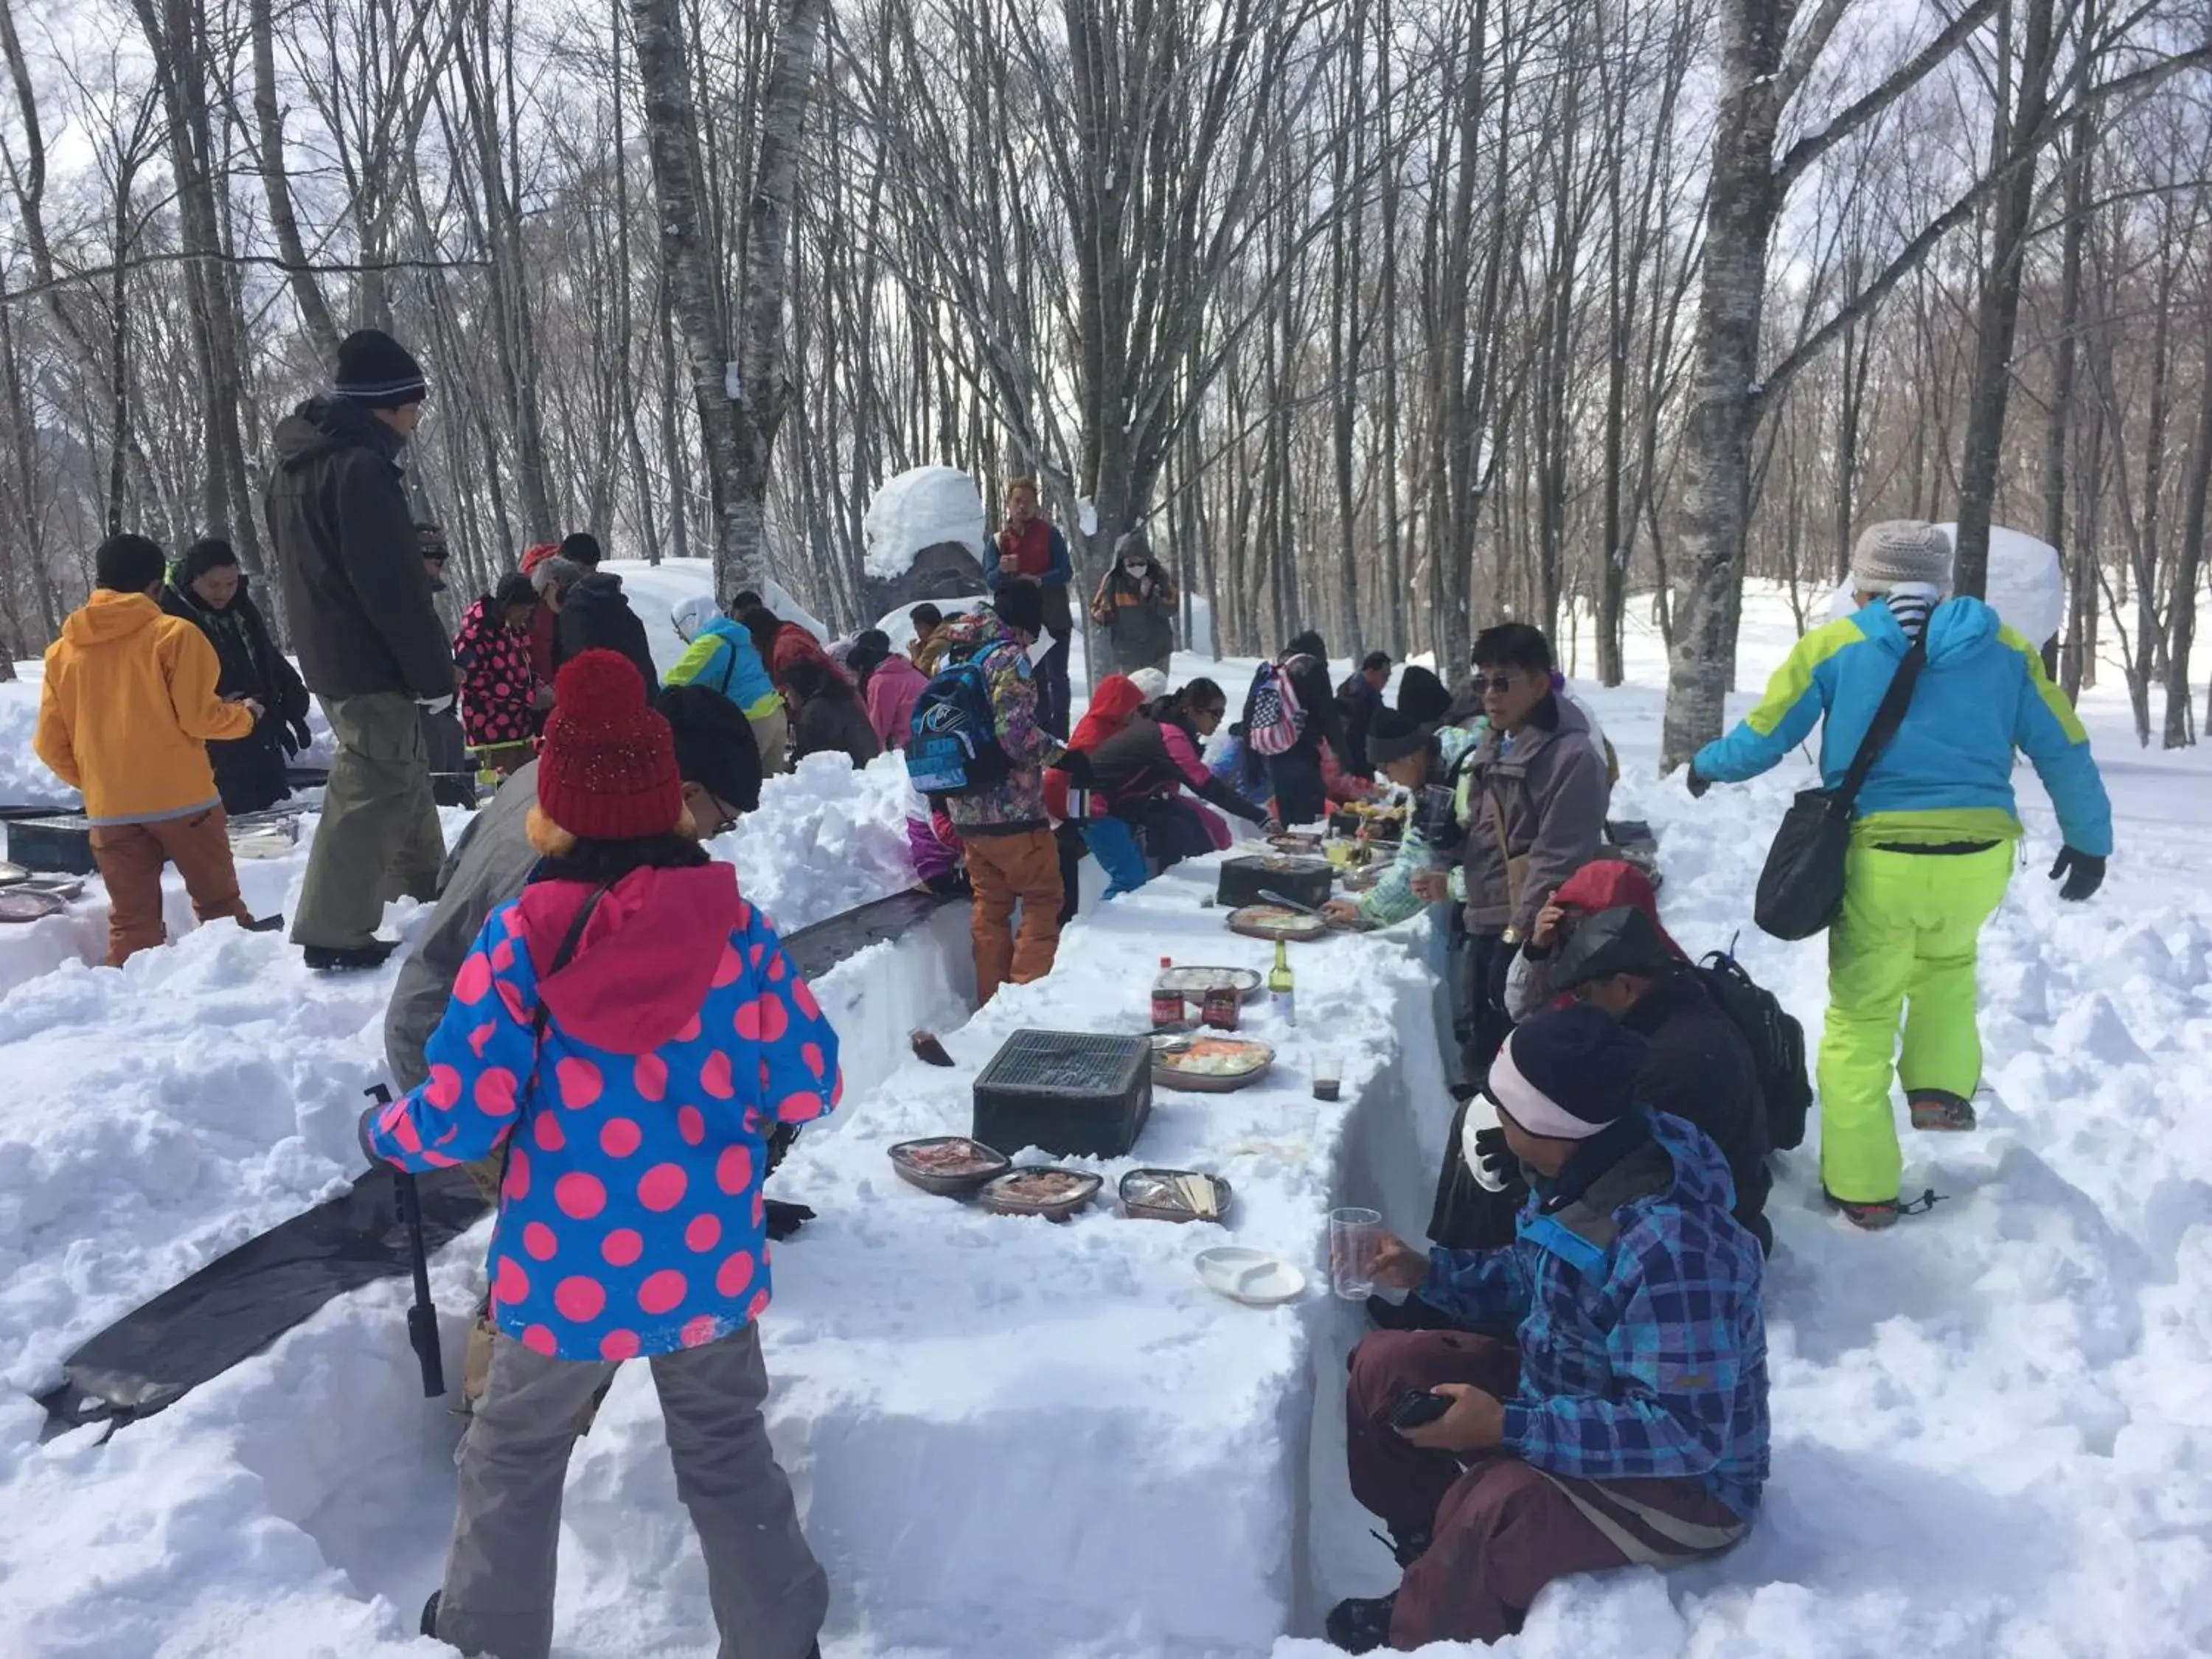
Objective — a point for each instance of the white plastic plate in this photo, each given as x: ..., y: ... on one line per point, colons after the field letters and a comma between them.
x: 1252, y: 1277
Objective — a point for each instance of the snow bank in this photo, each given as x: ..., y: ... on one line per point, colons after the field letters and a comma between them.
x: 2026, y: 587
x: 825, y: 839
x: 917, y: 510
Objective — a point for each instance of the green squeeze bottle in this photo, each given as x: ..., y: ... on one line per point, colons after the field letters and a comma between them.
x: 1282, y: 996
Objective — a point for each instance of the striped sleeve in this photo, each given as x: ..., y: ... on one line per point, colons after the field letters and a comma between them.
x: 2051, y: 734
x: 1795, y: 698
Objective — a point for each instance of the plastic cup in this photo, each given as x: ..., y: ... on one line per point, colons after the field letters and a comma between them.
x: 1352, y: 1237
x: 1328, y: 1077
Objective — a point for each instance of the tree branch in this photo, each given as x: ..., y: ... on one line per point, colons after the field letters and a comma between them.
x: 258, y: 261
x: 1815, y: 144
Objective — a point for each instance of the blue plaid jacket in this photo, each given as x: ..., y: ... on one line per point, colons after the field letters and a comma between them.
x: 1643, y: 1347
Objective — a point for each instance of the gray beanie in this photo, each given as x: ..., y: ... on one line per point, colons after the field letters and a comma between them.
x: 1900, y: 551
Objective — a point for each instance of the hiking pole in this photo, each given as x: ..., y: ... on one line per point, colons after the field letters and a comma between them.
x: 423, y: 1317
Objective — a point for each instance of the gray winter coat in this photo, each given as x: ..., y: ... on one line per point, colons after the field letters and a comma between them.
x: 489, y: 865
x: 1548, y: 787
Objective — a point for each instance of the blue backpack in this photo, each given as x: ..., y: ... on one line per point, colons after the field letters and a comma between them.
x: 953, y: 745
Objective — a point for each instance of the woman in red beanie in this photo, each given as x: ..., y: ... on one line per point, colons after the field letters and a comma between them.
x: 631, y: 1030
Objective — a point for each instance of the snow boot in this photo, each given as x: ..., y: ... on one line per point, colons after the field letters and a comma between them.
x: 1867, y: 1218
x: 928, y: 1049
x: 349, y: 959
x: 1361, y: 1625
x: 1936, y: 1109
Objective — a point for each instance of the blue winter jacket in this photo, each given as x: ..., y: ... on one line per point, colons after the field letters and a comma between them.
x: 1947, y: 774
x: 1643, y: 1346
x: 723, y: 658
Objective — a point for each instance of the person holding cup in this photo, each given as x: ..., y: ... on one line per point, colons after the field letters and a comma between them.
x: 1628, y: 1424
x: 1428, y: 760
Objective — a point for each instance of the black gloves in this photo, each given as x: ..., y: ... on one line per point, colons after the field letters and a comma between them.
x: 360, y: 1134
x: 297, y: 738
x: 1495, y: 1156
x: 2084, y: 873
x: 1077, y: 765
x: 1697, y: 784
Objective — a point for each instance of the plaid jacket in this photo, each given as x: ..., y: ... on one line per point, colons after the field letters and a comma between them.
x: 1643, y: 1346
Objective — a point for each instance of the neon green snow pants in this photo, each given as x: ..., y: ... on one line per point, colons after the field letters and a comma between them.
x: 1906, y: 940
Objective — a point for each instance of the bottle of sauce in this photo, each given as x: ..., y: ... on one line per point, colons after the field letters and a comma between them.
x: 1167, y: 1002
x: 1282, y: 996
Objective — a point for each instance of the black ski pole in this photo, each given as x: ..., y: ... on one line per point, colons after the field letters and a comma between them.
x: 423, y: 1317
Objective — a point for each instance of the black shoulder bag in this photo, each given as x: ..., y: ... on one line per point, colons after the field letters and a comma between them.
x: 1801, y: 887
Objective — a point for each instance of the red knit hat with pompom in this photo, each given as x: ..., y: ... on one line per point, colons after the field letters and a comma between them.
x: 607, y: 771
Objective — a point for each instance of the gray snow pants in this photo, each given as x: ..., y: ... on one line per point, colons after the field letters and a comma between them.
x: 768, y: 1592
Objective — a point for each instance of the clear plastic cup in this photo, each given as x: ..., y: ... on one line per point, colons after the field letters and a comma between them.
x: 1352, y: 1238
x: 1328, y: 1076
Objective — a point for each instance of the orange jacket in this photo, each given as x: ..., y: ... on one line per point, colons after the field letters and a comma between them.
x: 128, y: 709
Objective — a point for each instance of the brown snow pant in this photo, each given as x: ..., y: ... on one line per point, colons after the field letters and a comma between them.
x: 1499, y: 1529
x: 767, y: 1591
x: 1024, y: 866
x: 379, y: 838
x: 130, y: 857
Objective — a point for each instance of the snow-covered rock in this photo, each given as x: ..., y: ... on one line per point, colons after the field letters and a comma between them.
x: 924, y: 507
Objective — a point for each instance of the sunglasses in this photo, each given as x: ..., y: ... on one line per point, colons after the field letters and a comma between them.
x: 1500, y: 684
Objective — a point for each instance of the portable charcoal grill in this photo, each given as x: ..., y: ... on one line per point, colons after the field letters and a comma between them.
x: 1072, y: 1093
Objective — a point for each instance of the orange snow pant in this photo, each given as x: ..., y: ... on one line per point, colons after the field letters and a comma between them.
x: 130, y: 857
x: 1024, y: 866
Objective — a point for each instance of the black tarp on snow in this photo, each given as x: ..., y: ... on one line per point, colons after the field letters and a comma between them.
x: 243, y: 1301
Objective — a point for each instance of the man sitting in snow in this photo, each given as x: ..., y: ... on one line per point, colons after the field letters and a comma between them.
x: 719, y: 764
x: 1629, y: 1425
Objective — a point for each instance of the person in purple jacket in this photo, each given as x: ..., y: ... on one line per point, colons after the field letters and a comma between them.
x: 631, y: 1030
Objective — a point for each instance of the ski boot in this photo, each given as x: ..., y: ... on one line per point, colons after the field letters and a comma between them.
x: 1936, y: 1109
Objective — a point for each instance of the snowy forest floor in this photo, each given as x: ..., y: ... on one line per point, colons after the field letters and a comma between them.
x: 1993, y: 1425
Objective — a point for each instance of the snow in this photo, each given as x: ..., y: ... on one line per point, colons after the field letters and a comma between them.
x: 1993, y: 1425
x: 1087, y: 515
x: 918, y: 510
x: 2026, y: 587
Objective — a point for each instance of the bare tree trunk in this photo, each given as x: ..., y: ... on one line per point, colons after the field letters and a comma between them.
x: 269, y: 119
x: 2058, y: 444
x: 2189, y: 561
x: 2019, y: 135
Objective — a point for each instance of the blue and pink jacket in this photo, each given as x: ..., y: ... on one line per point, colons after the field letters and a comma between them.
x: 675, y: 1039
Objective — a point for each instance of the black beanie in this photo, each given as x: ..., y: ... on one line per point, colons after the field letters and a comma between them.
x: 1422, y: 698
x: 1394, y: 736
x: 1621, y: 940
x: 715, y: 747
x: 1566, y: 1074
x: 377, y: 372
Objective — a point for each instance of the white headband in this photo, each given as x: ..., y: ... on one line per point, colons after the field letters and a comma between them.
x: 1530, y: 1107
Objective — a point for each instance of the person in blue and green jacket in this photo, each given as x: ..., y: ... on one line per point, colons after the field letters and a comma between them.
x: 722, y: 656
x: 1413, y: 756
x: 1934, y: 838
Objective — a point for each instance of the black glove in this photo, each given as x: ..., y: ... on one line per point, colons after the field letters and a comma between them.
x: 1697, y: 784
x: 2084, y: 873
x: 361, y: 1134
x: 1077, y: 765
x: 297, y: 738
x: 784, y: 1219
x: 1495, y: 1156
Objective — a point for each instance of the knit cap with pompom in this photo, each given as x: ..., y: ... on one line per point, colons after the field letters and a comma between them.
x: 607, y: 771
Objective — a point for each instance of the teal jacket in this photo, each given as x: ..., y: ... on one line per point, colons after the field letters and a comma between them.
x: 1947, y: 774
x: 724, y: 658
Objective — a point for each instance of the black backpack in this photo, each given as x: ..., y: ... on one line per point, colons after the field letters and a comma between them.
x: 1777, y: 1042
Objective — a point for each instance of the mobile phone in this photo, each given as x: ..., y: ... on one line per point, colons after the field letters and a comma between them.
x: 1417, y: 1407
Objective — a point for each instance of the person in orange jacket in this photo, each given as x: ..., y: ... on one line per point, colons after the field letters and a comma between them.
x: 127, y: 715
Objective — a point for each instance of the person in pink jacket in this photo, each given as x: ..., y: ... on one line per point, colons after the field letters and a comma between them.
x: 629, y: 1030
x: 889, y: 682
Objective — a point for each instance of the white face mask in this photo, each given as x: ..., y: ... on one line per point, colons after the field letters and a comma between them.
x: 1134, y: 567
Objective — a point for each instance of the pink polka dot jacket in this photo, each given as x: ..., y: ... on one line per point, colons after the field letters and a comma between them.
x: 676, y: 1037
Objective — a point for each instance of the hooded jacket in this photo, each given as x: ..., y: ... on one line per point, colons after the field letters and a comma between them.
x: 1601, y: 884
x: 1643, y: 1344
x: 1392, y: 899
x: 1016, y: 803
x: 1697, y: 1068
x: 1114, y: 700
x: 1947, y: 776
x: 722, y: 658
x: 1154, y: 758
x: 676, y: 1037
x: 356, y: 587
x: 894, y: 683
x: 128, y: 709
x: 499, y: 686
x: 595, y: 616
x: 1543, y: 791
x: 1137, y: 612
x: 834, y: 725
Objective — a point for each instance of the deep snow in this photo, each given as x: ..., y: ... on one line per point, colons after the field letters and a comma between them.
x: 1993, y: 1426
